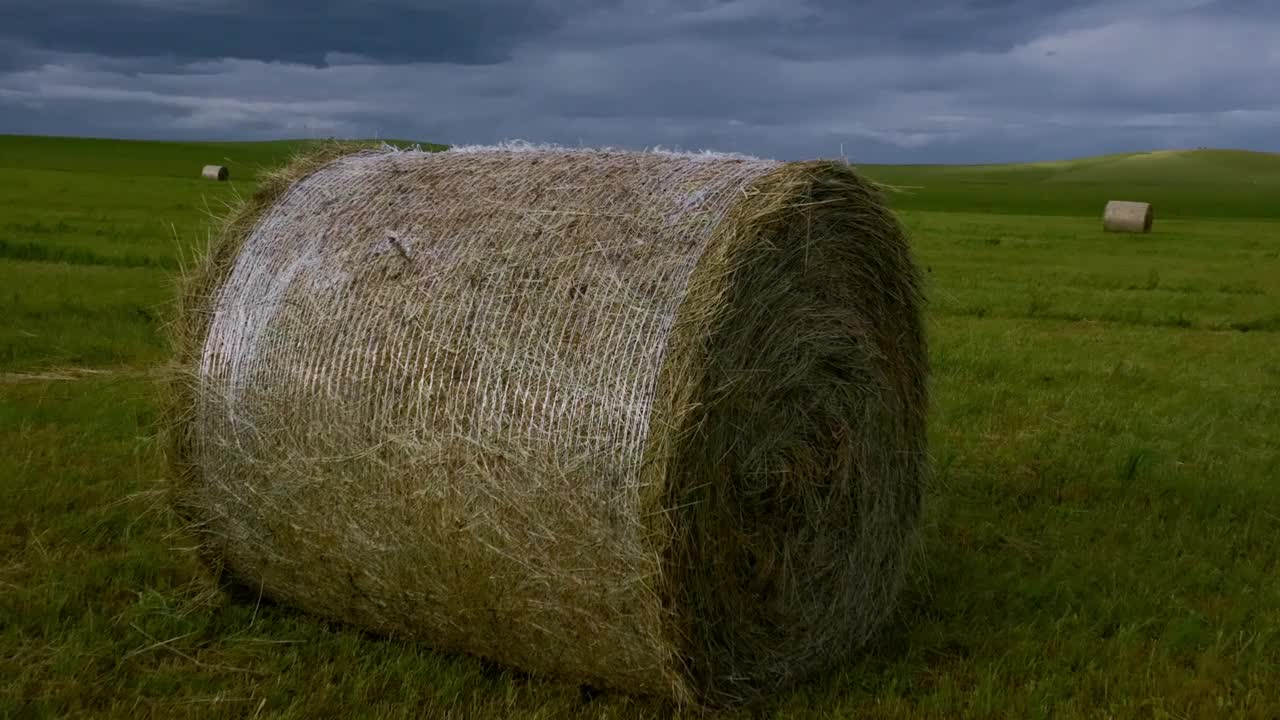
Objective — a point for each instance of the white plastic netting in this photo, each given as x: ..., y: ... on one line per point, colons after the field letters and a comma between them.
x: 459, y: 348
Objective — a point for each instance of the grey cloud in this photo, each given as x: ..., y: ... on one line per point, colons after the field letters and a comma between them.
x: 982, y: 80
x: 303, y: 31
x: 818, y: 29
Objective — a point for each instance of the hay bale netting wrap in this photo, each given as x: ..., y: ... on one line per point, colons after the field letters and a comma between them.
x: 650, y: 421
x: 1127, y: 216
x: 215, y: 172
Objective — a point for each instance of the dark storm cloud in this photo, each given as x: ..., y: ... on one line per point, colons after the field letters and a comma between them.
x: 818, y: 28
x: 966, y: 80
x: 462, y: 31
x: 16, y: 54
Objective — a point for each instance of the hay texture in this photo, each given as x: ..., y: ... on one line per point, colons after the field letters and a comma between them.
x: 648, y: 421
x: 1128, y: 217
x: 215, y: 172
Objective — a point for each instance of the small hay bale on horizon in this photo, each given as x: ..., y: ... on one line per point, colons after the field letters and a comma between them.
x: 1127, y: 216
x: 645, y: 421
x: 215, y: 172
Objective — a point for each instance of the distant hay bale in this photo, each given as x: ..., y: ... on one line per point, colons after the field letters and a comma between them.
x: 648, y: 421
x: 215, y: 172
x: 1125, y: 216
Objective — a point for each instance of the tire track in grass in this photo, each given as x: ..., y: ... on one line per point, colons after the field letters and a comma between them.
x: 71, y: 374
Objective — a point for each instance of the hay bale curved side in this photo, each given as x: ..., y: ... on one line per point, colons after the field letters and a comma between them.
x: 645, y: 420
x: 196, y: 288
x: 1127, y: 216
x: 215, y: 172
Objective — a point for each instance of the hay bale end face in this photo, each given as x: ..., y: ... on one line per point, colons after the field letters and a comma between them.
x: 647, y: 421
x: 215, y: 172
x: 1126, y: 216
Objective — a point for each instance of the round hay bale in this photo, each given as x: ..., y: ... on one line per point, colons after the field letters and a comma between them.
x: 215, y: 172
x: 1126, y: 216
x: 649, y: 421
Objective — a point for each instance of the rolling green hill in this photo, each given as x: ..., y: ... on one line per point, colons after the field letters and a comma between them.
x: 146, y: 157
x: 1179, y: 183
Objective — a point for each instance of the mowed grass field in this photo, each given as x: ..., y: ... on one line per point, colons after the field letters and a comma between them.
x: 1103, y: 530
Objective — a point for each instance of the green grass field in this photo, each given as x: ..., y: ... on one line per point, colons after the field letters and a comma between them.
x: 1102, y: 537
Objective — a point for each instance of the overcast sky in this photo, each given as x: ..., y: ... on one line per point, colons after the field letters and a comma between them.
x: 891, y: 81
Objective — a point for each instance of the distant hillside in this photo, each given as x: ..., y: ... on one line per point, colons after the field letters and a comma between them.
x: 1180, y: 183
x: 148, y: 157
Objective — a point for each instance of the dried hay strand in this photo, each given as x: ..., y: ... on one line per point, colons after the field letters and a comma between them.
x: 215, y: 172
x: 647, y: 421
x: 1126, y: 216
